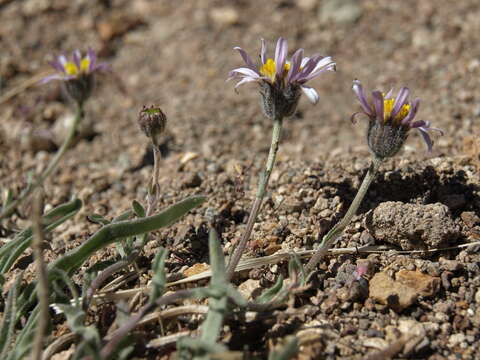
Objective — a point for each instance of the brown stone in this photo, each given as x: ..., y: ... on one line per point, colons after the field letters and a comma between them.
x: 424, y: 284
x: 387, y: 291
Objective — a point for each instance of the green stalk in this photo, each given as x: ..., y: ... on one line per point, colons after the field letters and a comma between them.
x: 261, y: 190
x: 337, y: 230
x: 51, y: 167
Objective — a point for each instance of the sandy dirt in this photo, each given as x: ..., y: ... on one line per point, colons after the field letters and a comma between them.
x: 177, y: 54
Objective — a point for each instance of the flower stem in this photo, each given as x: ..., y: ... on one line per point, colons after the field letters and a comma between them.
x: 154, y: 188
x: 261, y: 190
x: 42, y: 285
x: 51, y: 167
x: 337, y: 230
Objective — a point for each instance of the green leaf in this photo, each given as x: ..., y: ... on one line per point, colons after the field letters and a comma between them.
x: 98, y: 219
x: 138, y: 209
x: 159, y: 279
x: 10, y: 252
x: 217, y: 259
x: 8, y: 322
x: 99, y: 266
x: 269, y: 294
x: 295, y: 269
x: 123, y: 216
x: 116, y: 231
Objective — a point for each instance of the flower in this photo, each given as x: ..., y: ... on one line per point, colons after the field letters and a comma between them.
x: 77, y: 74
x: 281, y: 80
x: 390, y: 119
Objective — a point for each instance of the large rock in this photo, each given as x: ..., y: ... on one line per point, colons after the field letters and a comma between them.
x: 413, y: 226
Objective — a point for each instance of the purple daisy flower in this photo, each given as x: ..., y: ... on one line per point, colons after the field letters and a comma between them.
x: 67, y: 70
x: 280, y: 79
x: 391, y: 118
x: 77, y: 74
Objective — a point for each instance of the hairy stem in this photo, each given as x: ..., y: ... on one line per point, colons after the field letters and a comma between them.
x: 51, y: 167
x: 42, y: 285
x: 154, y: 188
x: 337, y: 230
x: 261, y: 190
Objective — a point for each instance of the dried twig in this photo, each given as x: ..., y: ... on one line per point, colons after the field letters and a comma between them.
x: 105, y: 274
x: 23, y: 86
x: 58, y: 345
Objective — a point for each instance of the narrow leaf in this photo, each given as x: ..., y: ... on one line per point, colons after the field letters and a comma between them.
x: 269, y: 294
x: 217, y: 259
x: 98, y: 219
x: 159, y: 279
x: 115, y: 231
x: 138, y: 209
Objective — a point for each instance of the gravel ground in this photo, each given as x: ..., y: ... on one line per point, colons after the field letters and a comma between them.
x: 176, y: 54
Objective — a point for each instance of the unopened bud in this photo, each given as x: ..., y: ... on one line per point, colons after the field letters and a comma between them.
x: 152, y: 122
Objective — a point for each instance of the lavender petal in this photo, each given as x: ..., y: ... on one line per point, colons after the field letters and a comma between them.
x: 378, y: 104
x: 246, y: 79
x: 280, y: 56
x: 246, y: 58
x: 354, y: 115
x: 49, y: 78
x: 307, y: 68
x: 323, y: 65
x: 400, y: 100
x: 426, y: 138
x: 77, y: 56
x: 358, y: 90
x: 57, y: 65
x: 295, y: 64
x: 412, y: 113
x: 263, y: 52
x: 419, y: 124
x: 92, y: 56
x: 243, y: 71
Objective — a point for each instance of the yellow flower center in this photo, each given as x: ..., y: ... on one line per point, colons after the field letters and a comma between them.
x: 84, y: 64
x: 388, y: 107
x: 72, y: 69
x: 268, y: 69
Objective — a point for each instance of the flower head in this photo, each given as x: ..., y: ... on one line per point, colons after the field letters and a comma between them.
x: 77, y: 73
x: 152, y: 122
x: 281, y: 80
x: 391, y: 118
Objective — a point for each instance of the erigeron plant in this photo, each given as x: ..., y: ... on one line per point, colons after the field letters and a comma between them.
x: 77, y: 77
x: 390, y: 119
x: 281, y: 83
x: 78, y: 80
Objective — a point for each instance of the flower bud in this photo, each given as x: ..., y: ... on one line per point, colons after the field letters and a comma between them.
x: 152, y: 122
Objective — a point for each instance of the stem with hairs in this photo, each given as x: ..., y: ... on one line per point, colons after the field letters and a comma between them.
x: 337, y: 230
x: 42, y: 285
x: 261, y: 190
x: 51, y: 167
